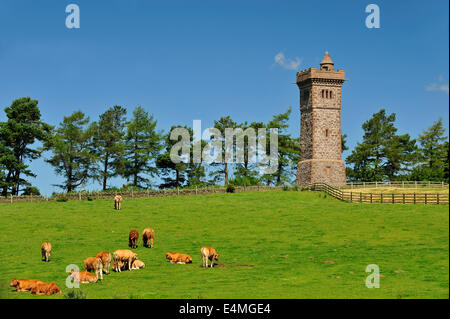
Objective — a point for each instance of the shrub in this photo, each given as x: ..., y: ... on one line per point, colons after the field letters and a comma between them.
x: 231, y: 188
x: 61, y: 199
x: 75, y: 294
x: 89, y: 198
x: 295, y: 188
x: 285, y: 188
x: 31, y: 190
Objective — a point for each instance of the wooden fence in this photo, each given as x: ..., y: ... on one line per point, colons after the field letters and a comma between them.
x: 392, y: 198
x: 137, y: 194
x: 397, y: 184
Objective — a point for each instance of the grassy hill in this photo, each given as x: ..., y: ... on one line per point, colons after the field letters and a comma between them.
x: 278, y: 244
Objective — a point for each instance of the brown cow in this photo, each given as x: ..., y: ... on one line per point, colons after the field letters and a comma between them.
x: 95, y: 264
x: 125, y: 256
x: 148, y: 235
x: 45, y: 289
x: 46, y: 248
x: 208, y: 253
x: 181, y: 259
x: 24, y: 284
x: 117, y: 202
x: 133, y: 238
x: 105, y: 257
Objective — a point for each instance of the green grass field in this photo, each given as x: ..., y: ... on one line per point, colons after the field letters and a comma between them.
x: 271, y: 245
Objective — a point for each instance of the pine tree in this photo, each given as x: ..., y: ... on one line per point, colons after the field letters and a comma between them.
x: 18, y: 134
x: 73, y: 151
x: 142, y: 146
x: 109, y: 143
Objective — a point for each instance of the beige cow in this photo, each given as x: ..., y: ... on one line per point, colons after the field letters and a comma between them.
x: 105, y: 257
x: 126, y: 256
x: 117, y: 202
x: 95, y: 264
x: 46, y: 248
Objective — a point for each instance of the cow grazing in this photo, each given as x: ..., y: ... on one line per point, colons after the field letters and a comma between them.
x: 95, y: 264
x: 24, y: 284
x: 125, y: 256
x: 83, y: 277
x: 208, y: 253
x: 46, y: 248
x: 105, y: 257
x: 137, y: 264
x: 45, y: 289
x: 117, y: 202
x: 133, y: 238
x: 148, y: 235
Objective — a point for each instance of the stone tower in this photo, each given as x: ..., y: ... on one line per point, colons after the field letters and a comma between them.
x: 320, y: 127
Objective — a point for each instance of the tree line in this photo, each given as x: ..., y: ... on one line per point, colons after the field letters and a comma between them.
x: 134, y: 149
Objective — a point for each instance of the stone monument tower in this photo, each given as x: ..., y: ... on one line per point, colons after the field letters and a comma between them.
x: 320, y: 127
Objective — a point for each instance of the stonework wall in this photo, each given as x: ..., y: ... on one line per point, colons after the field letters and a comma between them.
x: 320, y: 128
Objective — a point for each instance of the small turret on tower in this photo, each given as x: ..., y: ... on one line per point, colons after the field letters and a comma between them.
x: 327, y: 64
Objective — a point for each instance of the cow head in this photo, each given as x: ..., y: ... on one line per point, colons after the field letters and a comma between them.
x: 14, y: 283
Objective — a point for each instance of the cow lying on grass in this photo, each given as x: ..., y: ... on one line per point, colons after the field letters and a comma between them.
x: 148, y: 235
x: 83, y: 277
x: 95, y: 264
x: 117, y: 202
x: 133, y: 238
x: 105, y: 257
x: 45, y: 289
x: 208, y: 253
x: 37, y: 287
x: 125, y: 256
x: 46, y: 248
x: 25, y: 284
x: 177, y: 258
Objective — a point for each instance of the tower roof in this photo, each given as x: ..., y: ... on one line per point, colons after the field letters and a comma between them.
x: 327, y: 62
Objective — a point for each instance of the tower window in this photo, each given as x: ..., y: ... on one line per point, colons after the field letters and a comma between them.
x: 326, y: 132
x: 331, y: 94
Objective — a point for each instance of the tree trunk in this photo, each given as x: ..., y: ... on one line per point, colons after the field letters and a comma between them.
x: 226, y: 173
x: 105, y: 173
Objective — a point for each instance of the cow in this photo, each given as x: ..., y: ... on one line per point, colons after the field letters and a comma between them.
x: 83, y: 277
x: 46, y: 248
x: 118, y: 266
x: 177, y: 258
x: 148, y: 235
x: 24, y: 284
x: 117, y: 202
x: 95, y: 264
x: 137, y: 264
x: 208, y: 253
x: 105, y: 257
x: 133, y: 238
x: 45, y: 289
x: 125, y: 256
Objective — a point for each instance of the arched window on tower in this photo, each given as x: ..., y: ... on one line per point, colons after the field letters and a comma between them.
x: 323, y: 94
x: 326, y: 133
x: 326, y: 94
x: 331, y: 94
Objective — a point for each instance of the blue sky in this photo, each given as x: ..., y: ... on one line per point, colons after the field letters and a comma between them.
x: 186, y: 60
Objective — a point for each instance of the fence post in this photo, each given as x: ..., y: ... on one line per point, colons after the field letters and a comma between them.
x: 79, y: 196
x: 393, y: 198
x: 371, y: 198
x: 415, y: 184
x: 425, y: 198
x: 376, y: 184
x: 403, y: 198
x: 351, y: 197
x: 437, y: 198
x: 196, y: 190
x: 11, y: 198
x: 414, y: 198
x: 360, y: 197
x: 381, y: 198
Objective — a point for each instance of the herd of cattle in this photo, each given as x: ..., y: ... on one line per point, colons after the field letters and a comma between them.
x: 123, y: 259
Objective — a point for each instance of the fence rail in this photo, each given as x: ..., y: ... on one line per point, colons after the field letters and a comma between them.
x: 393, y: 198
x: 137, y: 194
x: 397, y: 184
